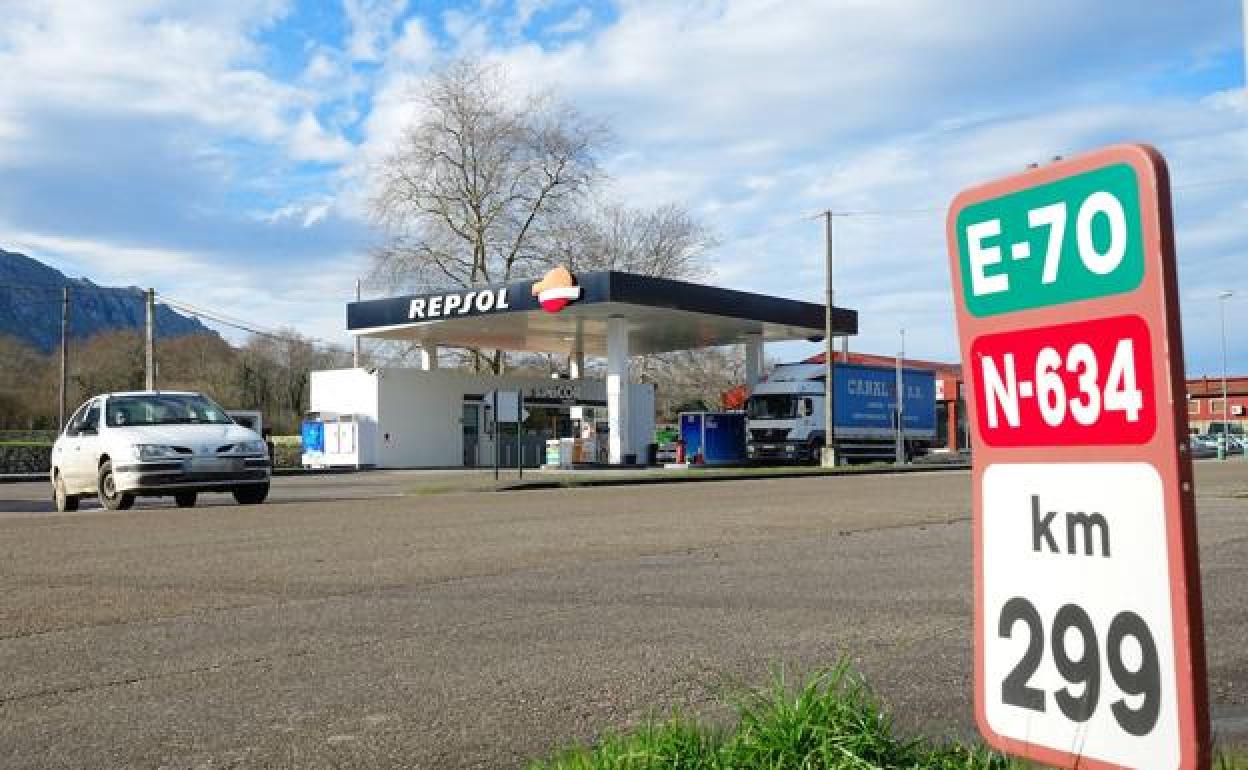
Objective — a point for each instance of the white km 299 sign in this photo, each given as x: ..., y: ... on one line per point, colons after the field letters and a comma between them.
x: 1083, y: 654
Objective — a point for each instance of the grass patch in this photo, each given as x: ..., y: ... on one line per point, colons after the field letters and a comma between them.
x: 26, y: 443
x: 831, y: 722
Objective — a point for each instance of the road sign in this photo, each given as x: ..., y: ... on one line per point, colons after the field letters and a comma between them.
x: 1089, y: 647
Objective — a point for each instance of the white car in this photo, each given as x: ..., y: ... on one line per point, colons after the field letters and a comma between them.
x: 120, y: 446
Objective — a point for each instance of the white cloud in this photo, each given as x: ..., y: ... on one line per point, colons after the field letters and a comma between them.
x: 194, y: 63
x: 108, y: 263
x: 577, y: 21
x: 371, y: 26
x: 309, y: 141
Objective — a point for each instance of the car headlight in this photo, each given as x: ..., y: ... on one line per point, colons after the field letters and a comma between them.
x: 152, y: 452
x: 253, y: 448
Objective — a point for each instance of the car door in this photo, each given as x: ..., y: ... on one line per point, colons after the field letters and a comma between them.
x: 64, y: 451
x: 87, y: 449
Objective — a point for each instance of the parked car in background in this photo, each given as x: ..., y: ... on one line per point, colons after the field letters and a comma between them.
x: 1202, y: 447
x: 1234, y: 444
x: 120, y: 446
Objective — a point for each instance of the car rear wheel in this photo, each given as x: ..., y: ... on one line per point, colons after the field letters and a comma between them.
x: 185, y: 499
x: 110, y: 498
x: 252, y: 494
x: 64, y: 501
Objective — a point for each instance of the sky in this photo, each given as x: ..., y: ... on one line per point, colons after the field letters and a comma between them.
x: 222, y: 152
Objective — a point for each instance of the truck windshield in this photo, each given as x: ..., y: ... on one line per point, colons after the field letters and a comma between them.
x: 164, y: 409
x: 775, y: 407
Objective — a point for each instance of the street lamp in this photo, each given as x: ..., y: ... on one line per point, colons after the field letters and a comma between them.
x: 1223, y: 296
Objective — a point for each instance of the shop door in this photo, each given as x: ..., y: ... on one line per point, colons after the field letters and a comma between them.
x: 472, y: 435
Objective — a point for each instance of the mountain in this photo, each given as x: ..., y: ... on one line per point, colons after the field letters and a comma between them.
x: 30, y: 306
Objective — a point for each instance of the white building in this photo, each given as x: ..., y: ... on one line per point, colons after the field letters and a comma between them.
x: 409, y: 418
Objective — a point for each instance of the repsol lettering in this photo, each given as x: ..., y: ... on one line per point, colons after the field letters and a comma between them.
x: 445, y: 305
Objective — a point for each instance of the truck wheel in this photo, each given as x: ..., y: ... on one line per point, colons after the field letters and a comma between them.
x: 110, y: 498
x: 185, y: 499
x: 65, y: 502
x: 252, y: 494
x: 816, y: 452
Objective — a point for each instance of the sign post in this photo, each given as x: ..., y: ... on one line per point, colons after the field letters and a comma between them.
x: 1089, y: 645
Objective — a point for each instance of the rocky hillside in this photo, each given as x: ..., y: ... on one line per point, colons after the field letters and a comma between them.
x: 30, y: 306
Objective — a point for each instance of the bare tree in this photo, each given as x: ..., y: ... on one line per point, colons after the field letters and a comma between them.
x: 666, y: 241
x: 491, y: 183
x: 478, y: 178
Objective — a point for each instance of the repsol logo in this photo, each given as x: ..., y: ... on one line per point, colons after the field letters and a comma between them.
x: 462, y: 303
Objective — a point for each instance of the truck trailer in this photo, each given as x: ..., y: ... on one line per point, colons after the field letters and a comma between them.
x: 785, y: 420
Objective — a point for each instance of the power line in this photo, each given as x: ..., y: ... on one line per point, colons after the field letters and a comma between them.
x: 236, y: 323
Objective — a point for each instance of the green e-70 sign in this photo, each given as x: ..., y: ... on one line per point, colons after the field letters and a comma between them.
x: 1073, y: 239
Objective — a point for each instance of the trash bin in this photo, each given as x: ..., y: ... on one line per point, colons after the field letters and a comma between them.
x: 630, y: 459
x: 652, y: 454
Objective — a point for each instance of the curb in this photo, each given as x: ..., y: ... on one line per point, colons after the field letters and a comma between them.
x: 22, y: 478
x: 522, y: 486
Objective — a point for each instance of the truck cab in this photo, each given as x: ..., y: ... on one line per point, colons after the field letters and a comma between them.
x: 785, y: 421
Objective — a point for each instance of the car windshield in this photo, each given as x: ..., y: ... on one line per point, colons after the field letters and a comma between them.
x: 776, y: 407
x: 164, y: 409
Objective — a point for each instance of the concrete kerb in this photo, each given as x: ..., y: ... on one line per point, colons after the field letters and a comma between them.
x: 695, y: 477
x: 22, y: 478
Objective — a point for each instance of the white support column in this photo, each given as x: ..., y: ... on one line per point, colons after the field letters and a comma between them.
x: 619, y: 440
x: 576, y: 365
x: 753, y: 361
x: 428, y: 357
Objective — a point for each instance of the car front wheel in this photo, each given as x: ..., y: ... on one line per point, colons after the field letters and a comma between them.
x: 252, y: 494
x: 64, y: 501
x: 185, y: 499
x: 110, y: 498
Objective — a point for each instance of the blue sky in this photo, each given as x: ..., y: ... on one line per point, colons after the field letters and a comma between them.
x: 221, y: 152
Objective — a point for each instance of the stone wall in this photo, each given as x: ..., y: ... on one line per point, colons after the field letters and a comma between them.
x: 25, y: 458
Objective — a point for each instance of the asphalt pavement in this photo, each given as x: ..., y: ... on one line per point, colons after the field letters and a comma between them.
x: 348, y: 623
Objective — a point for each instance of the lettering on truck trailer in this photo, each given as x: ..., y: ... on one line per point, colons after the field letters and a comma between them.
x: 440, y: 306
x: 879, y: 389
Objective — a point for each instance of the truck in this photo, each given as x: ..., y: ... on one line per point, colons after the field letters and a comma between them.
x: 785, y: 420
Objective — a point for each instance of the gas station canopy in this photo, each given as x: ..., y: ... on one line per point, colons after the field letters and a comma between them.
x: 566, y: 314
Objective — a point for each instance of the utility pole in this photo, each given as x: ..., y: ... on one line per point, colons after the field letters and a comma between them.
x: 829, y: 429
x: 64, y: 354
x: 149, y: 339
x: 355, y: 343
x: 1224, y: 438
x: 899, y: 445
